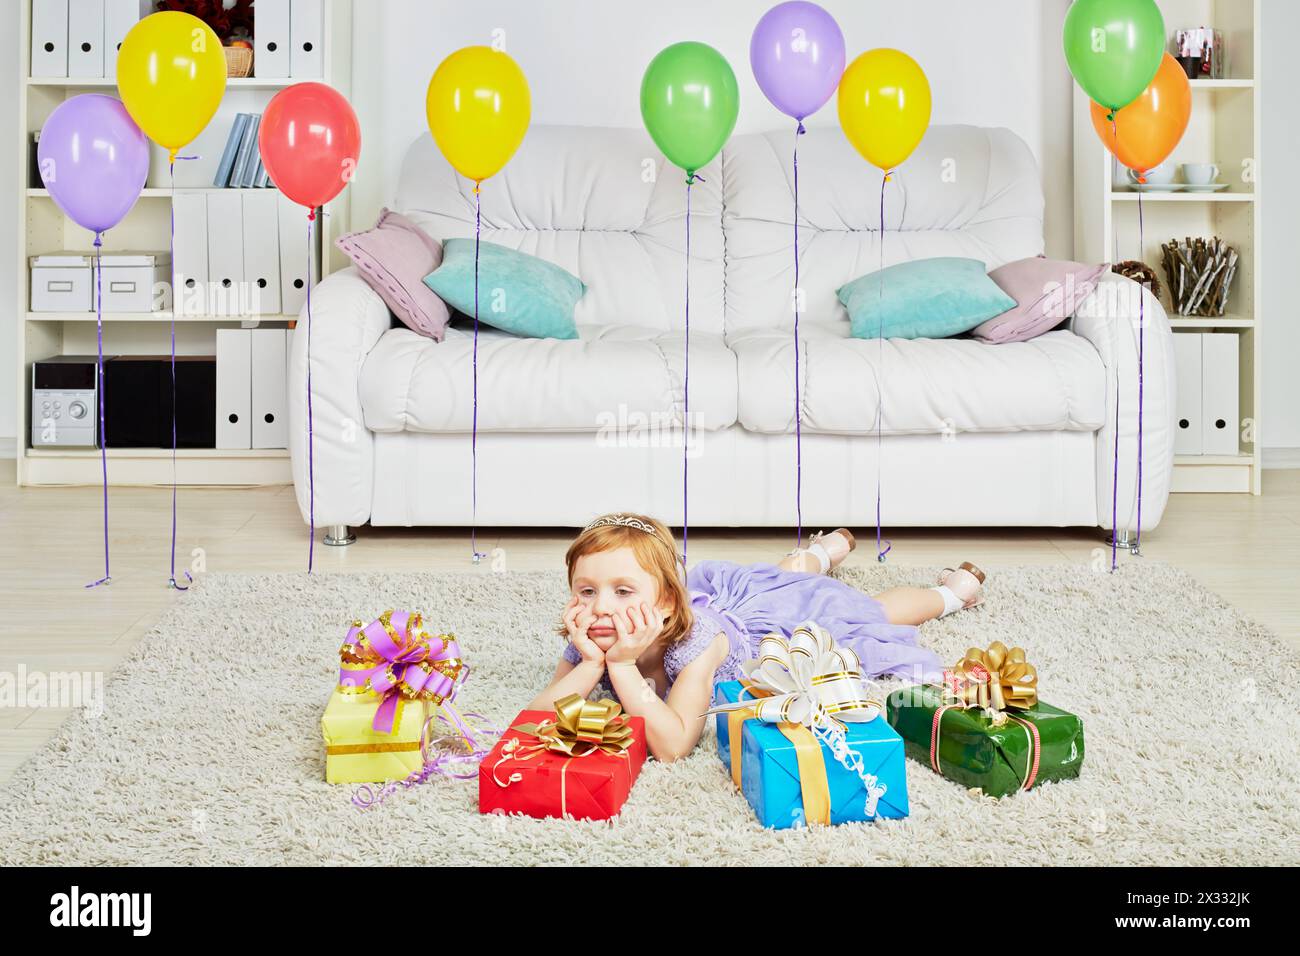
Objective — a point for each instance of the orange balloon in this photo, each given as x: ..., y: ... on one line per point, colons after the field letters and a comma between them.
x: 1145, y: 133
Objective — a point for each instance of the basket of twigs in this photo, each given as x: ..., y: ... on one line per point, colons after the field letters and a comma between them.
x: 1199, y: 273
x: 239, y: 60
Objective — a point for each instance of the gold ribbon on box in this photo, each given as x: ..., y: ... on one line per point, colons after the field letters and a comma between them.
x: 580, y: 728
x: 994, y: 679
x: 807, y: 686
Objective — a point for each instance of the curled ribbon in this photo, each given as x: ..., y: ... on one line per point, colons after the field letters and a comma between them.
x: 993, y: 679
x: 393, y: 658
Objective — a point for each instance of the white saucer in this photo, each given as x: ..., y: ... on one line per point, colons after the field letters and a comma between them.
x: 1156, y: 187
x: 1205, y: 187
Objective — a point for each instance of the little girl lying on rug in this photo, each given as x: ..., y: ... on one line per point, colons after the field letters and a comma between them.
x: 634, y: 626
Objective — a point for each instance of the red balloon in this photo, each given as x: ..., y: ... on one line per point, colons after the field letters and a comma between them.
x: 310, y: 141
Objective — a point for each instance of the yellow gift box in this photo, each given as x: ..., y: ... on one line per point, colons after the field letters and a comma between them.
x: 357, y: 753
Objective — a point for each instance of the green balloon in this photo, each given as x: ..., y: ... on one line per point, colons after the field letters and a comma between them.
x: 1114, y: 48
x: 689, y: 103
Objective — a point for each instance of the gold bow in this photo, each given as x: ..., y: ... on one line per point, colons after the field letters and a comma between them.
x: 581, y: 727
x: 994, y: 679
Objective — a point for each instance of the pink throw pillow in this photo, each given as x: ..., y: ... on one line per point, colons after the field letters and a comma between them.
x: 1047, y: 292
x: 393, y: 258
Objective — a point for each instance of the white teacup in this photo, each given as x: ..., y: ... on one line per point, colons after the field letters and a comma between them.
x: 1200, y: 174
x: 1162, y: 175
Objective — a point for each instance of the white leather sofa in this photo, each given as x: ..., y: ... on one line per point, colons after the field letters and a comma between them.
x: 974, y: 434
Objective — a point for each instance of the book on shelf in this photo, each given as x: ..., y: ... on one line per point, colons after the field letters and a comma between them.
x: 222, y: 178
x: 241, y: 165
x: 247, y: 150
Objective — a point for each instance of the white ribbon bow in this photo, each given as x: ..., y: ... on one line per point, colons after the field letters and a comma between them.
x: 812, y: 680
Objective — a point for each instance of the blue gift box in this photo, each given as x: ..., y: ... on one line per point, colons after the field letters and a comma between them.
x: 769, y: 769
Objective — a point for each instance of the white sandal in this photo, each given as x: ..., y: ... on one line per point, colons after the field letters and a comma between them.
x: 830, y: 558
x: 978, y: 598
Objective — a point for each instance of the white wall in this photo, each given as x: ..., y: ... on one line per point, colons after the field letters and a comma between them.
x: 993, y: 63
x: 1280, y: 423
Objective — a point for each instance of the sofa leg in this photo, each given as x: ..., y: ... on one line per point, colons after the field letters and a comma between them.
x: 1126, y: 539
x: 338, y: 535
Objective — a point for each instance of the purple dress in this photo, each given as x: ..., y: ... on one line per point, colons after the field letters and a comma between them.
x: 748, y: 602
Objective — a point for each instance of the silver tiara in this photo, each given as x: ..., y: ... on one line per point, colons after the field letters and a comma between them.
x: 622, y: 521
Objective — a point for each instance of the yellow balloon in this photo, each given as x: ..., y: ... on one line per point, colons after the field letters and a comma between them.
x: 478, y: 108
x: 171, y: 74
x: 884, y: 106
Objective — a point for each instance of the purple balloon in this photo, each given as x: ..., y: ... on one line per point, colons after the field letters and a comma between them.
x: 93, y: 159
x: 797, y: 54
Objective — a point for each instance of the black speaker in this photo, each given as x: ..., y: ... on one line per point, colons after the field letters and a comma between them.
x: 138, y: 401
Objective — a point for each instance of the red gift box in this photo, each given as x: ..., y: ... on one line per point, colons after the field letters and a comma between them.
x: 521, y: 776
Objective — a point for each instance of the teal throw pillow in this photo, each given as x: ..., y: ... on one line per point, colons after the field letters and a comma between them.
x: 923, y: 299
x: 517, y: 292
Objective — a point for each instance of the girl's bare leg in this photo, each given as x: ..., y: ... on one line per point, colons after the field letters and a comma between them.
x: 911, y: 605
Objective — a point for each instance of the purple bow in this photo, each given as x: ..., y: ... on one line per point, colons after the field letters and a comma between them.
x: 395, y: 659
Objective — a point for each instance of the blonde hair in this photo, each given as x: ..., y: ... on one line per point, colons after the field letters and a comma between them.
x: 655, y: 552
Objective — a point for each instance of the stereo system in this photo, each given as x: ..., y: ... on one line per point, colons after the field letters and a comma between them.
x: 65, y: 392
x: 138, y: 409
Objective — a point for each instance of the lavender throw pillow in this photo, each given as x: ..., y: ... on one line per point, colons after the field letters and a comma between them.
x: 394, y: 257
x: 1047, y: 292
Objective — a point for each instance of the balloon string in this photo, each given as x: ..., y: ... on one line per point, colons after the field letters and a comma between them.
x: 1137, y: 536
x: 798, y: 410
x: 171, y: 171
x: 103, y: 450
x: 475, y: 554
x: 686, y: 382
x: 1114, y: 481
x: 880, y: 377
x: 311, y: 429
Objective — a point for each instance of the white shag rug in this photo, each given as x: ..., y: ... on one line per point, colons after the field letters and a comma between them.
x: 209, y: 748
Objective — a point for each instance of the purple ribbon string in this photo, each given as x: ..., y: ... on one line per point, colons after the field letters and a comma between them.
x: 176, y: 305
x: 1137, y: 535
x: 880, y: 377
x: 311, y: 426
x: 691, y: 176
x: 798, y: 410
x: 103, y: 449
x: 475, y: 554
x: 444, y: 764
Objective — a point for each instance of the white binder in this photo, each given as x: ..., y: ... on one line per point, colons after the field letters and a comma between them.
x: 306, y: 29
x: 86, y: 38
x: 234, y: 389
x: 270, y: 408
x: 119, y: 17
x: 226, y: 252
x: 191, y: 259
x: 1187, y: 406
x: 1219, y: 384
x: 262, y: 250
x: 271, y: 38
x: 49, y: 38
x: 293, y: 255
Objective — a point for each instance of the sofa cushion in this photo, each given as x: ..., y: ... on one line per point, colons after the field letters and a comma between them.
x: 923, y: 299
x: 932, y: 386
x: 1047, y: 292
x: 623, y: 382
x: 393, y: 258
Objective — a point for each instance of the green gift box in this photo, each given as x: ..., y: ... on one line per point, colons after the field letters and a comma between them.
x: 966, y: 744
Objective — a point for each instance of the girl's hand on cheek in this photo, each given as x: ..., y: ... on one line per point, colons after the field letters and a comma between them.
x: 577, y: 618
x: 638, y: 627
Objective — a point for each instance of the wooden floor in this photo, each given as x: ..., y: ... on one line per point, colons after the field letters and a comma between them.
x: 1245, y: 548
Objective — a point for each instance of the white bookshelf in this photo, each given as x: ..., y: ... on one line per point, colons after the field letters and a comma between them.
x: 42, y: 228
x: 1224, y: 129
